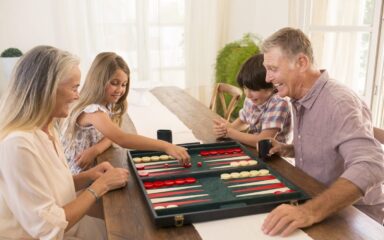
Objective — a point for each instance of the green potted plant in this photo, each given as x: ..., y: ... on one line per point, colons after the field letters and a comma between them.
x: 231, y: 57
x: 8, y: 59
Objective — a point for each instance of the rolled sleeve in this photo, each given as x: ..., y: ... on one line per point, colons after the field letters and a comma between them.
x: 363, y: 155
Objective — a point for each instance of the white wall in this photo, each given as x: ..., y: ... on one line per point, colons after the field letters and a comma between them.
x: 34, y: 23
x: 262, y: 17
x: 25, y: 24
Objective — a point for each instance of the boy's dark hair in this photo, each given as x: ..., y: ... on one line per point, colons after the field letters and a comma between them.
x: 252, y: 74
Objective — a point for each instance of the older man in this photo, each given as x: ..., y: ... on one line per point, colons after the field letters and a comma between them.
x: 333, y: 136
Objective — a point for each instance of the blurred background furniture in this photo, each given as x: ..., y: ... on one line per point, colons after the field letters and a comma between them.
x: 220, y: 93
x: 378, y: 133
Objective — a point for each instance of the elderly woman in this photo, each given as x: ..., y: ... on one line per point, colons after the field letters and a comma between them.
x: 37, y: 191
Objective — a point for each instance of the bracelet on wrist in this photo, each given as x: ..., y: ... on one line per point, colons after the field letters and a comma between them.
x: 93, y: 192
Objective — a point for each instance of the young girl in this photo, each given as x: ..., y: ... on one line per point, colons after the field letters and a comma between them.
x: 95, y: 119
x: 264, y: 114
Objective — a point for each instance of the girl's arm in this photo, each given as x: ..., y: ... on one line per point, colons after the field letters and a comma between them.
x: 86, y: 159
x: 104, y: 124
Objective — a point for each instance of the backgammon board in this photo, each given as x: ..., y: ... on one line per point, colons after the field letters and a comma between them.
x: 223, y: 180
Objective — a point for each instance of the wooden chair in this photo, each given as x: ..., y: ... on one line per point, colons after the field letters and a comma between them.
x: 221, y: 90
x: 378, y: 133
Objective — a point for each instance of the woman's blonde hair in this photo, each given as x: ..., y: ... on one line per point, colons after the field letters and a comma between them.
x: 101, y: 72
x: 31, y: 96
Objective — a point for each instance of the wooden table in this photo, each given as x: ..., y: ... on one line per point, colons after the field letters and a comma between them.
x: 127, y: 216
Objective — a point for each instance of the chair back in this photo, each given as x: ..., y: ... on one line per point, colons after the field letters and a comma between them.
x: 378, y: 133
x: 221, y: 90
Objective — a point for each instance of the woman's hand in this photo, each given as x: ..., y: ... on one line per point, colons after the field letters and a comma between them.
x: 180, y: 153
x: 111, y: 179
x: 99, y: 170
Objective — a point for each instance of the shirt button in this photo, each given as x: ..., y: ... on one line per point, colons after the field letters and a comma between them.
x: 301, y: 159
x: 299, y: 136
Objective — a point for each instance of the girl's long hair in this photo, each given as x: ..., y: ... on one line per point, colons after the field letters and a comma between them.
x: 102, y: 70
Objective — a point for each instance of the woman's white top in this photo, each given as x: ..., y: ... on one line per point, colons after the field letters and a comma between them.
x: 85, y: 137
x: 35, y: 184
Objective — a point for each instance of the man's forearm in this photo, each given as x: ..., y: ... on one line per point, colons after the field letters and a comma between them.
x: 339, y: 195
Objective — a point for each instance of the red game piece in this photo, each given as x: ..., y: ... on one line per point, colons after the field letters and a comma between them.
x: 190, y: 180
x: 229, y: 151
x: 179, y: 181
x: 221, y: 151
x: 140, y: 166
x: 204, y: 153
x: 166, y: 165
x: 199, y: 164
x: 148, y: 185
x: 237, y: 150
x: 213, y: 152
x: 158, y: 183
x: 169, y: 182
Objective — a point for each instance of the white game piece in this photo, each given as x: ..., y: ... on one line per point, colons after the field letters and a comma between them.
x: 172, y: 206
x: 243, y: 163
x: 146, y: 159
x: 225, y: 176
x: 164, y: 157
x: 137, y: 159
x: 253, y: 173
x: 252, y: 162
x: 235, y: 175
x: 170, y: 157
x: 143, y: 173
x: 234, y: 164
x: 263, y: 172
x: 155, y: 158
x: 244, y: 174
x: 159, y: 207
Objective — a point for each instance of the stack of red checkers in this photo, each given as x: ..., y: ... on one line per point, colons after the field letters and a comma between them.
x: 148, y: 185
x: 179, y: 181
x: 169, y: 183
x: 158, y: 184
x: 190, y: 180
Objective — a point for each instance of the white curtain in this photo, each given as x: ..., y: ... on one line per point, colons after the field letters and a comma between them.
x: 206, y: 25
x: 165, y: 42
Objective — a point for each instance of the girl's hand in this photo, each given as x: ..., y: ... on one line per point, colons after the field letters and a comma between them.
x: 87, y: 158
x: 180, y: 153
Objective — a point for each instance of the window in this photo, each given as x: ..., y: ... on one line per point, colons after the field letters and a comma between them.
x: 344, y: 34
x: 148, y: 34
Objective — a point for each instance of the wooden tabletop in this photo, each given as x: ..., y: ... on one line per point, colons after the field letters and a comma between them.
x: 127, y: 216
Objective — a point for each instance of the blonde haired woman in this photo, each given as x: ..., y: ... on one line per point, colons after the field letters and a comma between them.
x: 37, y: 191
x: 92, y: 126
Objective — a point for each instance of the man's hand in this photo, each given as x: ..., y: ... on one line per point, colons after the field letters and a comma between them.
x: 282, y: 149
x: 285, y: 219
